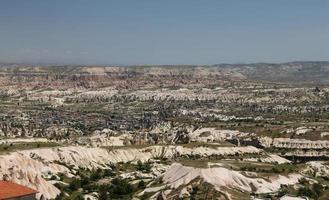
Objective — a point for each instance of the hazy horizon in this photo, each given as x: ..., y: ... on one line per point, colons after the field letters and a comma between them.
x: 150, y: 64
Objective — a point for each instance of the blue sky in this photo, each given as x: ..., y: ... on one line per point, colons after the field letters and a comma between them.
x: 163, y: 32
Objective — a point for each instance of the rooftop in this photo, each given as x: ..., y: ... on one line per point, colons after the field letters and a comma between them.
x: 11, y: 190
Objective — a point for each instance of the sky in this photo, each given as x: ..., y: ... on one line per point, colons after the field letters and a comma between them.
x: 163, y: 31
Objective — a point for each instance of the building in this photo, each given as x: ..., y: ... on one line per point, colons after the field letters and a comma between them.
x: 13, y: 191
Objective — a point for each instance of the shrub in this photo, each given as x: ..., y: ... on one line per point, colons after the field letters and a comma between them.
x: 75, y: 184
x: 144, y: 167
x: 141, y: 184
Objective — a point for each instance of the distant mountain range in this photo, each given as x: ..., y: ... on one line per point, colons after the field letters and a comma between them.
x: 308, y: 72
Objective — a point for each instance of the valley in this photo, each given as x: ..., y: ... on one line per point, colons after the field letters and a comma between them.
x: 244, y: 131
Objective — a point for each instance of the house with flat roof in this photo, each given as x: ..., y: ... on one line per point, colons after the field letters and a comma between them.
x: 13, y: 191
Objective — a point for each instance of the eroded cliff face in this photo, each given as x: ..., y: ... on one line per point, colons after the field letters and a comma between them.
x: 317, y: 168
x: 33, y: 167
x: 31, y: 172
x: 179, y: 178
x: 294, y: 143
